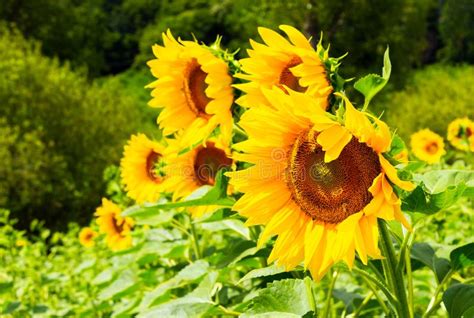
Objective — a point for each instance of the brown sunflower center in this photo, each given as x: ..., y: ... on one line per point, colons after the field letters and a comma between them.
x: 208, y: 161
x: 195, y: 89
x: 288, y: 79
x: 468, y: 132
x: 333, y: 191
x: 152, y: 161
x: 431, y: 148
x: 89, y: 236
x: 118, y: 226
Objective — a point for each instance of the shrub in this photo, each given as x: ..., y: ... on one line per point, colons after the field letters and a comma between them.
x: 60, y: 132
x: 432, y: 98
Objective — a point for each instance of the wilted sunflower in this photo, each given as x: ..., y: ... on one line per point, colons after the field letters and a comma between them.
x: 114, y: 226
x: 87, y: 236
x: 193, y: 88
x: 461, y: 134
x: 196, y: 168
x: 318, y: 183
x: 141, y: 168
x: 427, y: 146
x: 278, y: 62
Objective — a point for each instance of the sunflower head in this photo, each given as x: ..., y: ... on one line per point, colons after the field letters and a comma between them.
x: 461, y: 134
x: 318, y: 183
x: 287, y: 64
x: 196, y: 168
x: 427, y: 146
x: 141, y: 168
x: 116, y: 228
x: 21, y: 243
x: 87, y: 236
x: 193, y: 87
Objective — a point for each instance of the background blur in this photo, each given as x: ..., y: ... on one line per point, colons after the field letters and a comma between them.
x: 73, y: 74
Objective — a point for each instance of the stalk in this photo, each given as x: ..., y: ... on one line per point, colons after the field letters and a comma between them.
x: 394, y: 276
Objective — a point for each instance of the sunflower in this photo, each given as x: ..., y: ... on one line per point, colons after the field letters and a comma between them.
x: 195, y: 169
x: 140, y: 167
x: 193, y: 88
x: 461, y: 134
x: 318, y: 183
x: 402, y: 156
x: 116, y: 228
x: 427, y: 146
x: 87, y: 236
x: 288, y: 65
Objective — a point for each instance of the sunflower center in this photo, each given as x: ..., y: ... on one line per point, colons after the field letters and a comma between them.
x: 152, y: 162
x: 208, y: 161
x: 118, y: 227
x: 432, y: 148
x: 195, y: 89
x: 333, y: 191
x: 89, y: 236
x: 288, y: 79
x: 468, y: 132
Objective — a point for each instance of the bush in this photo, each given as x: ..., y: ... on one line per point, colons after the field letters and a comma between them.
x: 59, y: 134
x: 432, y: 98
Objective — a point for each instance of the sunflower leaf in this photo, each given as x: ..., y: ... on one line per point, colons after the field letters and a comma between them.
x: 215, y: 196
x: 370, y: 85
x: 439, y: 190
x: 462, y: 256
x: 459, y: 300
x: 289, y: 297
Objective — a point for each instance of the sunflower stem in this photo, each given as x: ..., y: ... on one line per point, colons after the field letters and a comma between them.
x: 197, y: 250
x: 394, y: 276
x: 309, y: 292
x: 327, y: 306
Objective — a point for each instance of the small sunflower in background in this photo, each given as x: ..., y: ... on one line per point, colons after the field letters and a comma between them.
x: 292, y: 64
x: 196, y: 168
x: 461, y: 134
x: 317, y: 183
x: 141, y: 168
x: 402, y: 156
x: 194, y: 89
x: 116, y: 228
x: 427, y: 146
x: 87, y: 236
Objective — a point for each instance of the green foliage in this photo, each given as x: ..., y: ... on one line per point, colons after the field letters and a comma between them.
x: 457, y: 30
x: 459, y: 300
x: 60, y: 132
x: 432, y: 98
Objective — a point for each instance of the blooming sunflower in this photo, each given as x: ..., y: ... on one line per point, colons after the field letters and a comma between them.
x: 461, y: 134
x: 194, y: 169
x: 193, y: 88
x: 427, y: 146
x: 87, y: 236
x: 115, y: 227
x: 140, y: 166
x: 318, y: 183
x: 286, y: 64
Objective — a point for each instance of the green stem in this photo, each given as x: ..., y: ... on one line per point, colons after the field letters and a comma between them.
x: 309, y: 292
x: 394, y: 277
x: 369, y: 278
x: 197, y: 251
x: 435, y: 301
x: 229, y: 312
x: 327, y: 306
x: 364, y: 302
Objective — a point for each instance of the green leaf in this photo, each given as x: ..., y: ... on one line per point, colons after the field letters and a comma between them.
x: 186, y: 276
x: 289, y: 296
x: 371, y: 84
x: 425, y: 254
x: 397, y: 145
x: 439, y: 189
x: 103, y: 277
x: 462, y: 256
x: 125, y: 284
x: 263, y: 272
x: 206, y: 195
x: 459, y: 300
x: 194, y: 304
x: 228, y: 224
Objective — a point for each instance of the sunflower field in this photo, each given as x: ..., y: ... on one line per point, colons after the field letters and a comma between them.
x: 261, y: 172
